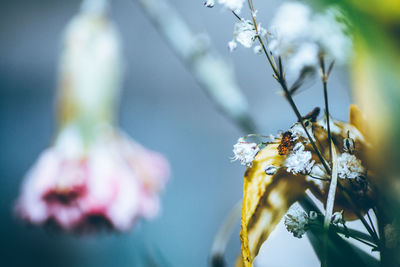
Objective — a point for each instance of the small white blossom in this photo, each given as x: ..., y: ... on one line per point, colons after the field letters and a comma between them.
x: 301, y: 36
x: 297, y: 131
x: 337, y: 218
x: 257, y: 49
x: 288, y: 25
x: 271, y: 170
x: 234, y: 5
x: 244, y: 33
x: 331, y: 36
x: 296, y: 221
x: 232, y: 46
x: 349, y: 166
x: 245, y: 152
x: 299, y: 161
x: 209, y: 3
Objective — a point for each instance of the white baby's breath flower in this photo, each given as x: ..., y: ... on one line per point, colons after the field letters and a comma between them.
x: 301, y: 36
x: 209, y: 3
x: 245, y: 152
x: 289, y: 24
x: 331, y: 35
x: 232, y: 46
x: 244, y: 33
x: 296, y: 221
x: 299, y: 160
x: 257, y: 49
x: 349, y: 166
x: 234, y: 5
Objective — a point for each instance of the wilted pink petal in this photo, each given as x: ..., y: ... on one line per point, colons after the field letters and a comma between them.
x: 106, y: 184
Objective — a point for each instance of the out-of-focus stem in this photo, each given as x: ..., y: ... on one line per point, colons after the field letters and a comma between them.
x: 223, y: 235
x: 210, y: 70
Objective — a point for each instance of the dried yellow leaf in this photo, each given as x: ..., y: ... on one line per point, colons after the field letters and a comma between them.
x: 266, y: 199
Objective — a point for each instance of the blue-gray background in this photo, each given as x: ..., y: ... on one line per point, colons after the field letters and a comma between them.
x: 164, y: 109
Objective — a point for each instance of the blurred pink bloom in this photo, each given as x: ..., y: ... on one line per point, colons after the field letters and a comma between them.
x: 116, y: 181
x: 93, y: 173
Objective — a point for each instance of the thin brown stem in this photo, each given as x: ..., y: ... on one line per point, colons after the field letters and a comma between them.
x: 324, y: 78
x: 281, y: 80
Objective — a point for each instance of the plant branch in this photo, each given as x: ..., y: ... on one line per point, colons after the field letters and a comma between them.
x: 324, y: 78
x: 209, y: 69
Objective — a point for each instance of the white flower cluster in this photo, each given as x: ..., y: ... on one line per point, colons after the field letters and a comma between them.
x: 245, y: 152
x: 299, y: 160
x: 296, y: 221
x: 301, y: 36
x: 245, y: 33
x: 234, y: 5
x: 349, y: 166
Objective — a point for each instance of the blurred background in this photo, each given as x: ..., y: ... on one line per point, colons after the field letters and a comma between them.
x: 164, y: 109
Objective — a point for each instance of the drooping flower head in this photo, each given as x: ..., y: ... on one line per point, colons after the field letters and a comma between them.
x: 93, y: 174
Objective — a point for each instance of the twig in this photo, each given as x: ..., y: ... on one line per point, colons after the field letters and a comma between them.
x: 324, y: 78
x: 209, y: 69
x: 223, y: 234
x: 281, y: 79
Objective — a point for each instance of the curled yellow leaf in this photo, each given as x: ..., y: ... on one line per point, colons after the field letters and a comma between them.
x: 266, y: 198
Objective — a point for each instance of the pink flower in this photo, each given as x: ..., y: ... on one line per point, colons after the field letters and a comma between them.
x: 93, y: 173
x: 116, y: 181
